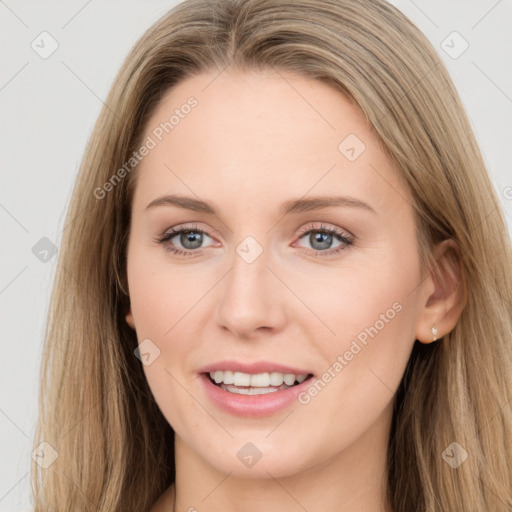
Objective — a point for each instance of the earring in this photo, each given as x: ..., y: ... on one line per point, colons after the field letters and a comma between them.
x: 434, y: 332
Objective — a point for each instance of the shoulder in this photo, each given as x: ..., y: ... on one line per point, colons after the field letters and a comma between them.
x: 165, y: 502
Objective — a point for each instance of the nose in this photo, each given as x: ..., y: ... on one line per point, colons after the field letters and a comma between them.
x: 250, y: 299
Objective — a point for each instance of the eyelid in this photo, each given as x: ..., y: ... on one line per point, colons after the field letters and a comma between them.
x: 323, y: 227
x: 192, y: 226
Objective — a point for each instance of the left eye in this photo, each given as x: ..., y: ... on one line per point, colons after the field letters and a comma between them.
x: 322, y: 239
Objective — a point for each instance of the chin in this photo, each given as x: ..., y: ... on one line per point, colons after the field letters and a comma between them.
x: 260, y: 458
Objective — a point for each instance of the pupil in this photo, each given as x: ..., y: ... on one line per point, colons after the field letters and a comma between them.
x: 191, y: 239
x: 324, y: 240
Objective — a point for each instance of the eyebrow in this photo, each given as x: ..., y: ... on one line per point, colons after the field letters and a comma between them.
x: 292, y: 206
x: 188, y: 203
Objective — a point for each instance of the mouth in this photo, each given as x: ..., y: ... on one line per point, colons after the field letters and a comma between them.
x: 255, y: 389
x: 255, y: 384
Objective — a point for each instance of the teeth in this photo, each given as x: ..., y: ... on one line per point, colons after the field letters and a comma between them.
x: 259, y: 380
x: 241, y: 379
x: 289, y: 379
x: 228, y: 378
x: 276, y: 379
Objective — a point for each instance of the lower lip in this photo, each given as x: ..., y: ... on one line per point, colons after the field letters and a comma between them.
x: 252, y: 405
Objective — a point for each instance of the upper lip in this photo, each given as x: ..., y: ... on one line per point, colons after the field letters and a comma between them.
x: 253, y: 368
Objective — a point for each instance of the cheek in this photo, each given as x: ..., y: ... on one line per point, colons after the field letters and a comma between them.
x: 169, y: 309
x: 364, y: 363
x: 349, y: 301
x: 367, y: 314
x: 161, y: 296
x: 163, y: 303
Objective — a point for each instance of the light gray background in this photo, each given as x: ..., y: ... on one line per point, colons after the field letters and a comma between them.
x: 49, y: 107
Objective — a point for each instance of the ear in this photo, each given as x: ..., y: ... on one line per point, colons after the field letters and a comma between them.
x: 129, y: 318
x: 443, y: 293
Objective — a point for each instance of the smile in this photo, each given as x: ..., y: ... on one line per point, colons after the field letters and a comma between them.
x: 254, y: 389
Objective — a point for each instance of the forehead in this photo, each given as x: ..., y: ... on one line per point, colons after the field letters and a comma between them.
x: 259, y: 134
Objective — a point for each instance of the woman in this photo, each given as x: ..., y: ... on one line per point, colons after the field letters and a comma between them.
x: 288, y: 282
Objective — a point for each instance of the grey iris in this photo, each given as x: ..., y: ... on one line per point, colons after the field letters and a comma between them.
x: 324, y: 240
x: 193, y: 238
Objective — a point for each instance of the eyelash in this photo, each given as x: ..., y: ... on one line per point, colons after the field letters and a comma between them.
x: 340, y: 235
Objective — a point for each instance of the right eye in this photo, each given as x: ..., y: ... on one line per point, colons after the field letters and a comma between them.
x: 184, y: 240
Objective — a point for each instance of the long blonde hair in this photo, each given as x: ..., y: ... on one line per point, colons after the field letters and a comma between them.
x: 115, y: 448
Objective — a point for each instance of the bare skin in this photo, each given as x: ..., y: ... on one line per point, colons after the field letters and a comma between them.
x: 253, y: 142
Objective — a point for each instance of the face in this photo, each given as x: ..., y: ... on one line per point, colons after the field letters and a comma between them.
x: 287, y: 251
